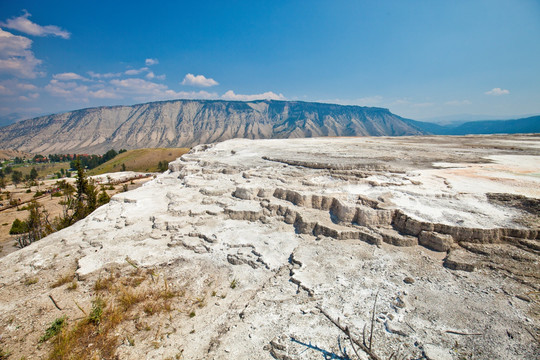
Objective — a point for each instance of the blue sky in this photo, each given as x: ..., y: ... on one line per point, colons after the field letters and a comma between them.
x: 420, y: 59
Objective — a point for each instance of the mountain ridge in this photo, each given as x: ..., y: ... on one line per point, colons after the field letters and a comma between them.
x: 529, y: 124
x: 186, y: 123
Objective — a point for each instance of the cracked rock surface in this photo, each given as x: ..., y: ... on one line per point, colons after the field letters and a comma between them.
x: 267, y: 234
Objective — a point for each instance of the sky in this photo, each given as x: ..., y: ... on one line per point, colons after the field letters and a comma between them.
x: 422, y: 59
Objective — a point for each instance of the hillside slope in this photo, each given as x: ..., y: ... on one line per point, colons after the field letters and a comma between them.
x: 140, y: 160
x: 185, y: 123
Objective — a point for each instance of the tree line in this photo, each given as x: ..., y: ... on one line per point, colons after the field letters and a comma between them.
x: 77, y: 203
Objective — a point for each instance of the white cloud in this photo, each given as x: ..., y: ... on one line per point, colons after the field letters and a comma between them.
x: 69, y: 90
x: 68, y: 76
x: 269, y: 95
x: 135, y: 71
x: 150, y: 62
x: 14, y: 87
x: 497, y: 92
x: 16, y: 58
x: 104, y: 94
x: 198, y: 80
x: 23, y: 24
x: 143, y: 90
x: 28, y: 97
x: 4, y: 90
x: 103, y: 76
x: 133, y: 88
x: 150, y: 75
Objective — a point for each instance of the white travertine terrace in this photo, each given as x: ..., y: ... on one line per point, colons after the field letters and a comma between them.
x: 304, y: 224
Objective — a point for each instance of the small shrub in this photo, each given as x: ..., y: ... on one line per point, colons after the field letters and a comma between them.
x: 131, y: 340
x: 31, y: 281
x: 129, y: 297
x: 38, y: 194
x: 54, y: 329
x: 28, y: 191
x: 234, y: 283
x: 96, y: 314
x: 104, y: 283
x: 73, y: 286
x: 61, y: 281
x: 192, y: 314
x: 18, y: 227
x: 4, y: 354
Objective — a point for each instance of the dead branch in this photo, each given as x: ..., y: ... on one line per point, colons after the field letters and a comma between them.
x: 54, y: 302
x: 461, y: 333
x: 534, y: 337
x: 346, y: 331
x: 372, y: 321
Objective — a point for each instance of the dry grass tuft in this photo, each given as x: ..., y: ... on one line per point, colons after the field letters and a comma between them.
x: 119, y: 300
x: 31, y: 281
x: 63, y: 280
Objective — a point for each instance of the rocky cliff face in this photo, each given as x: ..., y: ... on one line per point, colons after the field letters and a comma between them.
x: 185, y: 123
x: 245, y: 244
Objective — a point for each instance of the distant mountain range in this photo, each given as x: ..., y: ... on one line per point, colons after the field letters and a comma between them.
x: 185, y: 123
x: 517, y: 126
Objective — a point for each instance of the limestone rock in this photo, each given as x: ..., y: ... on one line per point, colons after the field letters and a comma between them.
x: 434, y: 352
x: 435, y: 241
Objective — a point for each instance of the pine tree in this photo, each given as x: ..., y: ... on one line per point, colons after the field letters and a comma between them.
x: 33, y: 174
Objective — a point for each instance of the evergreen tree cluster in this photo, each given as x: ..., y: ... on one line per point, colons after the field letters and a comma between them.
x: 93, y: 161
x: 78, y: 202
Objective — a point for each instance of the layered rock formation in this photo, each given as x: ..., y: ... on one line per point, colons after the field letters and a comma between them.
x: 274, y: 240
x: 186, y: 123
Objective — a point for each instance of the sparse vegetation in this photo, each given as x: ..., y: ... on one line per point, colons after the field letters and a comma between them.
x: 54, y: 329
x: 62, y: 280
x: 35, y: 227
x: 163, y: 166
x: 119, y: 299
x: 31, y: 281
x: 4, y: 354
x: 72, y: 286
x: 18, y: 227
x: 233, y: 284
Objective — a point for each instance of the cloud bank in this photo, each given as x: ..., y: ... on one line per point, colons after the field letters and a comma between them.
x: 497, y: 92
x: 24, y: 25
x: 269, y: 95
x: 198, y: 80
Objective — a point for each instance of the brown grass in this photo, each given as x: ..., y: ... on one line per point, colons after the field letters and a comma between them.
x: 119, y: 299
x: 141, y: 160
x: 62, y: 280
